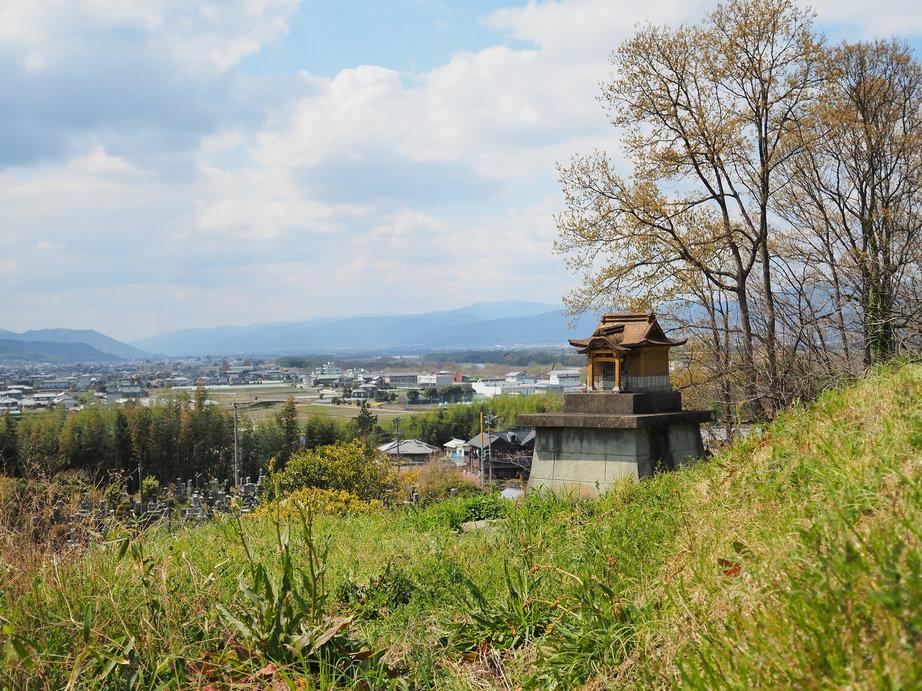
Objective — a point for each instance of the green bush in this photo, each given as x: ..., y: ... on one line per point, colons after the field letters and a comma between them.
x: 451, y: 513
x: 150, y: 488
x: 351, y: 466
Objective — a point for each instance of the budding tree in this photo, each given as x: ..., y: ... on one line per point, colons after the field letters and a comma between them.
x: 856, y: 196
x: 707, y: 114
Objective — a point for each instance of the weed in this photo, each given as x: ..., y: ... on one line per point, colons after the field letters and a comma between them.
x: 285, y: 620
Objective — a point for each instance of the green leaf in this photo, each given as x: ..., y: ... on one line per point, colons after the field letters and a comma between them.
x: 123, y: 548
x: 87, y: 621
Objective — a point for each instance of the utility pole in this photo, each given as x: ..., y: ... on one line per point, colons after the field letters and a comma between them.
x: 481, y: 450
x: 397, y: 433
x: 486, y: 450
x: 236, y: 466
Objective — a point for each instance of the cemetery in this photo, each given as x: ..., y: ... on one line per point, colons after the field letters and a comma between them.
x: 74, y: 519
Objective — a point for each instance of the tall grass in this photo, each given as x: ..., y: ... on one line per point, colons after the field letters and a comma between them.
x: 791, y: 560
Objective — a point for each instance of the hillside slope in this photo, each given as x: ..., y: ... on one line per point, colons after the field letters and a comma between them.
x: 786, y: 561
x: 97, y: 340
x: 51, y: 351
x: 77, y: 337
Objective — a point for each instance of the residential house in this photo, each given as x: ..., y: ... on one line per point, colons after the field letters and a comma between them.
x: 567, y: 378
x: 409, y: 452
x: 456, y: 451
x: 506, y: 455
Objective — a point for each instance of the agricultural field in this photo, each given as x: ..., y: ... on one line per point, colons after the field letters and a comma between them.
x: 263, y: 401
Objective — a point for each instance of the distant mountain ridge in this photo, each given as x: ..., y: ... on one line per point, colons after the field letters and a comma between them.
x: 15, y: 350
x: 104, y: 347
x: 485, y: 324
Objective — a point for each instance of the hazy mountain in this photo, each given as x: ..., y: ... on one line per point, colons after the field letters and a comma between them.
x: 94, y: 339
x: 487, y: 323
x: 48, y: 351
x: 548, y: 328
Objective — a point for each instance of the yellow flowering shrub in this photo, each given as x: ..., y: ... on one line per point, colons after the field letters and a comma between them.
x: 330, y: 501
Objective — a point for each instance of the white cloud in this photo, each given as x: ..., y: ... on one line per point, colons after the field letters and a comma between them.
x: 199, y: 35
x: 864, y: 19
x: 372, y: 190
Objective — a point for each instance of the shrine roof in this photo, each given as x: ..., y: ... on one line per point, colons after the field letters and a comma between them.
x: 624, y: 332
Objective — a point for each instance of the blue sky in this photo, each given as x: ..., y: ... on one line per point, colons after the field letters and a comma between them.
x: 169, y: 163
x: 405, y: 35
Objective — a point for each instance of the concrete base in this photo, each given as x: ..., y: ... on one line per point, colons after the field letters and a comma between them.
x: 585, y: 451
x: 612, y: 403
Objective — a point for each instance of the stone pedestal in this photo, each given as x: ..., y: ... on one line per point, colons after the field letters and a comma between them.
x: 603, y: 437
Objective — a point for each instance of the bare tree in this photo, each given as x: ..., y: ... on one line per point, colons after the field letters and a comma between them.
x: 707, y: 112
x: 857, y: 191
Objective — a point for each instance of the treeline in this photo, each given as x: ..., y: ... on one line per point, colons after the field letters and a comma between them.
x: 773, y: 201
x: 177, y: 438
x: 188, y: 439
x: 463, y: 421
x: 168, y: 441
x: 441, y: 394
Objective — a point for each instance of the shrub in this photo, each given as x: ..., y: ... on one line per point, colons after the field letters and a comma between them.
x: 451, y: 513
x: 329, y: 501
x: 435, y: 481
x: 351, y: 466
x: 150, y: 487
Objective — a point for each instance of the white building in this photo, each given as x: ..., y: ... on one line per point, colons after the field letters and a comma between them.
x: 518, y: 378
x: 565, y: 377
x: 455, y: 450
x: 518, y: 384
x: 437, y: 379
x: 402, y: 379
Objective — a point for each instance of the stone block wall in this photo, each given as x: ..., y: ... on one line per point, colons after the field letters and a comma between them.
x: 588, y: 461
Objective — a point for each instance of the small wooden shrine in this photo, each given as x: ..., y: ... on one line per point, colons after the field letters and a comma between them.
x: 629, y: 424
x: 627, y: 352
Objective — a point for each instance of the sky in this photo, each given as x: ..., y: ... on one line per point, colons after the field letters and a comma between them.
x: 169, y: 164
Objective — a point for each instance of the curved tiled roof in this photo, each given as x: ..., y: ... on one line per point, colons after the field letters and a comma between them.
x: 623, y: 332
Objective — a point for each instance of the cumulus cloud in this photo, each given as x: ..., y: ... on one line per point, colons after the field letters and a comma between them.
x: 148, y: 182
x: 149, y: 75
x: 203, y: 36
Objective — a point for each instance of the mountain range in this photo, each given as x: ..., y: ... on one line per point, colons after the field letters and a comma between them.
x: 507, y: 324
x: 100, y: 342
x: 487, y: 324
x: 13, y: 350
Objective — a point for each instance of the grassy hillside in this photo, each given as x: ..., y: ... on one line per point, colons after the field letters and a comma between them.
x: 792, y: 560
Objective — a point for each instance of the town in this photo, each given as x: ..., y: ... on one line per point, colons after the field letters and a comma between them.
x: 74, y: 386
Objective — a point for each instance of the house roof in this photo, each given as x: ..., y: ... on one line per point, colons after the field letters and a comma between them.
x: 455, y: 443
x: 513, y: 437
x: 408, y: 447
x: 625, y: 331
